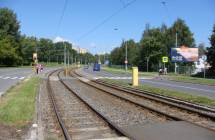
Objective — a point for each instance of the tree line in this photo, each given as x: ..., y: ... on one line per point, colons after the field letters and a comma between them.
x: 156, y: 42
x: 17, y: 49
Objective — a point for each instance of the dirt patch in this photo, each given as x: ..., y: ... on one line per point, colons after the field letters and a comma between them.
x: 10, y: 132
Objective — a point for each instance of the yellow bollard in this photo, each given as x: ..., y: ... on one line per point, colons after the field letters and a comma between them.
x: 65, y: 71
x: 135, y: 76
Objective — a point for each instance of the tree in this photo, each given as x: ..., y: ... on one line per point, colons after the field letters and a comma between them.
x: 29, y: 46
x: 202, y: 49
x: 10, y: 48
x: 116, y: 56
x: 152, y: 47
x: 184, y: 35
x: 211, y: 51
x: 45, y: 49
x: 8, y: 53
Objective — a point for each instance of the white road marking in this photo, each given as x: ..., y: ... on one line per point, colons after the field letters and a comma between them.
x: 14, y: 78
x: 21, y: 78
x: 6, y: 78
x: 212, y: 91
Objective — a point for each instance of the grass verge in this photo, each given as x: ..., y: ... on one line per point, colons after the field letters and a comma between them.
x: 194, y: 80
x: 122, y: 71
x: 170, y: 76
x: 170, y: 93
x: 17, y: 106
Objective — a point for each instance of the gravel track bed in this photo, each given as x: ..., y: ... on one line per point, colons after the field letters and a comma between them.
x: 81, y: 121
x: 171, y: 110
x: 47, y: 119
x: 118, y: 111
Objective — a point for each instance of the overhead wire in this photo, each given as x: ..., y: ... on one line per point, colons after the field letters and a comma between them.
x: 166, y: 9
x: 125, y: 5
x: 61, y: 17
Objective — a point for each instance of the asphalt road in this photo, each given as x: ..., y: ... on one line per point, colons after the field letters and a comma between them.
x: 10, y: 76
x: 194, y: 89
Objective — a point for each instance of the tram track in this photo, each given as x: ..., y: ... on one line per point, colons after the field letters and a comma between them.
x: 77, y: 119
x: 180, y: 110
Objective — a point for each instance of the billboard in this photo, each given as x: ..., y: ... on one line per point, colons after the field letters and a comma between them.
x: 184, y: 54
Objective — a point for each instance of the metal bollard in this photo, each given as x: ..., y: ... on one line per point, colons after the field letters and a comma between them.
x: 135, y: 76
x: 65, y: 71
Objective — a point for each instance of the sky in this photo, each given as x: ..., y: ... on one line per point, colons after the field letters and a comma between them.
x: 92, y: 24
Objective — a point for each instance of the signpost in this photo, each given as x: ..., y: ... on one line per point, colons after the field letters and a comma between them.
x: 34, y: 61
x: 165, y: 59
x: 35, y: 57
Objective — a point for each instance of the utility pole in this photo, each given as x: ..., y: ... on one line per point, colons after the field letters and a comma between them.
x: 126, y: 57
x: 104, y: 57
x: 68, y: 57
x: 147, y: 59
x: 64, y: 55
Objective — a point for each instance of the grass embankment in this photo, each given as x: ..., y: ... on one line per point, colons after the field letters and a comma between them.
x: 122, y: 71
x: 170, y: 76
x: 189, y: 79
x: 17, y: 106
x: 171, y: 93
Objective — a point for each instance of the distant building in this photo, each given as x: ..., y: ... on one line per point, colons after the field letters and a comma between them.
x: 200, y: 65
x: 80, y: 50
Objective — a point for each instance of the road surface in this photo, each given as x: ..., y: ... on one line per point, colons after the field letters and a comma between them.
x: 10, y: 76
x: 194, y: 89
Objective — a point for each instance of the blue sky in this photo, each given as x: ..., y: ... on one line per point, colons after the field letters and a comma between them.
x: 40, y: 18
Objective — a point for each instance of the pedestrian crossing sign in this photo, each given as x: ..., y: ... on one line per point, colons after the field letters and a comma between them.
x: 164, y: 59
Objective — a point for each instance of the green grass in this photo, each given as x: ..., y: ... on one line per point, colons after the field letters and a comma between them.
x: 189, y: 79
x: 17, y: 106
x: 170, y: 76
x: 122, y: 71
x: 171, y: 93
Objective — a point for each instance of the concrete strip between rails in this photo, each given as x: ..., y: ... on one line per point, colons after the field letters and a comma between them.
x: 175, y: 130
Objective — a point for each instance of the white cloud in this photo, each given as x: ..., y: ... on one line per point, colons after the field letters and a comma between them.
x: 59, y: 39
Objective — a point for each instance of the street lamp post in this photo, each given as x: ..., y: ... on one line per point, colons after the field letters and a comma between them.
x: 126, y: 57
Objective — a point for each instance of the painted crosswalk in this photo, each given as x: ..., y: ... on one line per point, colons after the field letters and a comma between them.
x: 12, y: 77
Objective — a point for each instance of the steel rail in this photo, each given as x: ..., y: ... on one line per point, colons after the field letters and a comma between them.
x: 172, y: 99
x: 56, y: 110
x: 192, y: 107
x: 132, y: 102
x: 162, y: 113
x: 110, y: 123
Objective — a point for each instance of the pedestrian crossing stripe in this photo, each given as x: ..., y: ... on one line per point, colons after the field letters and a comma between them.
x: 11, y: 78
